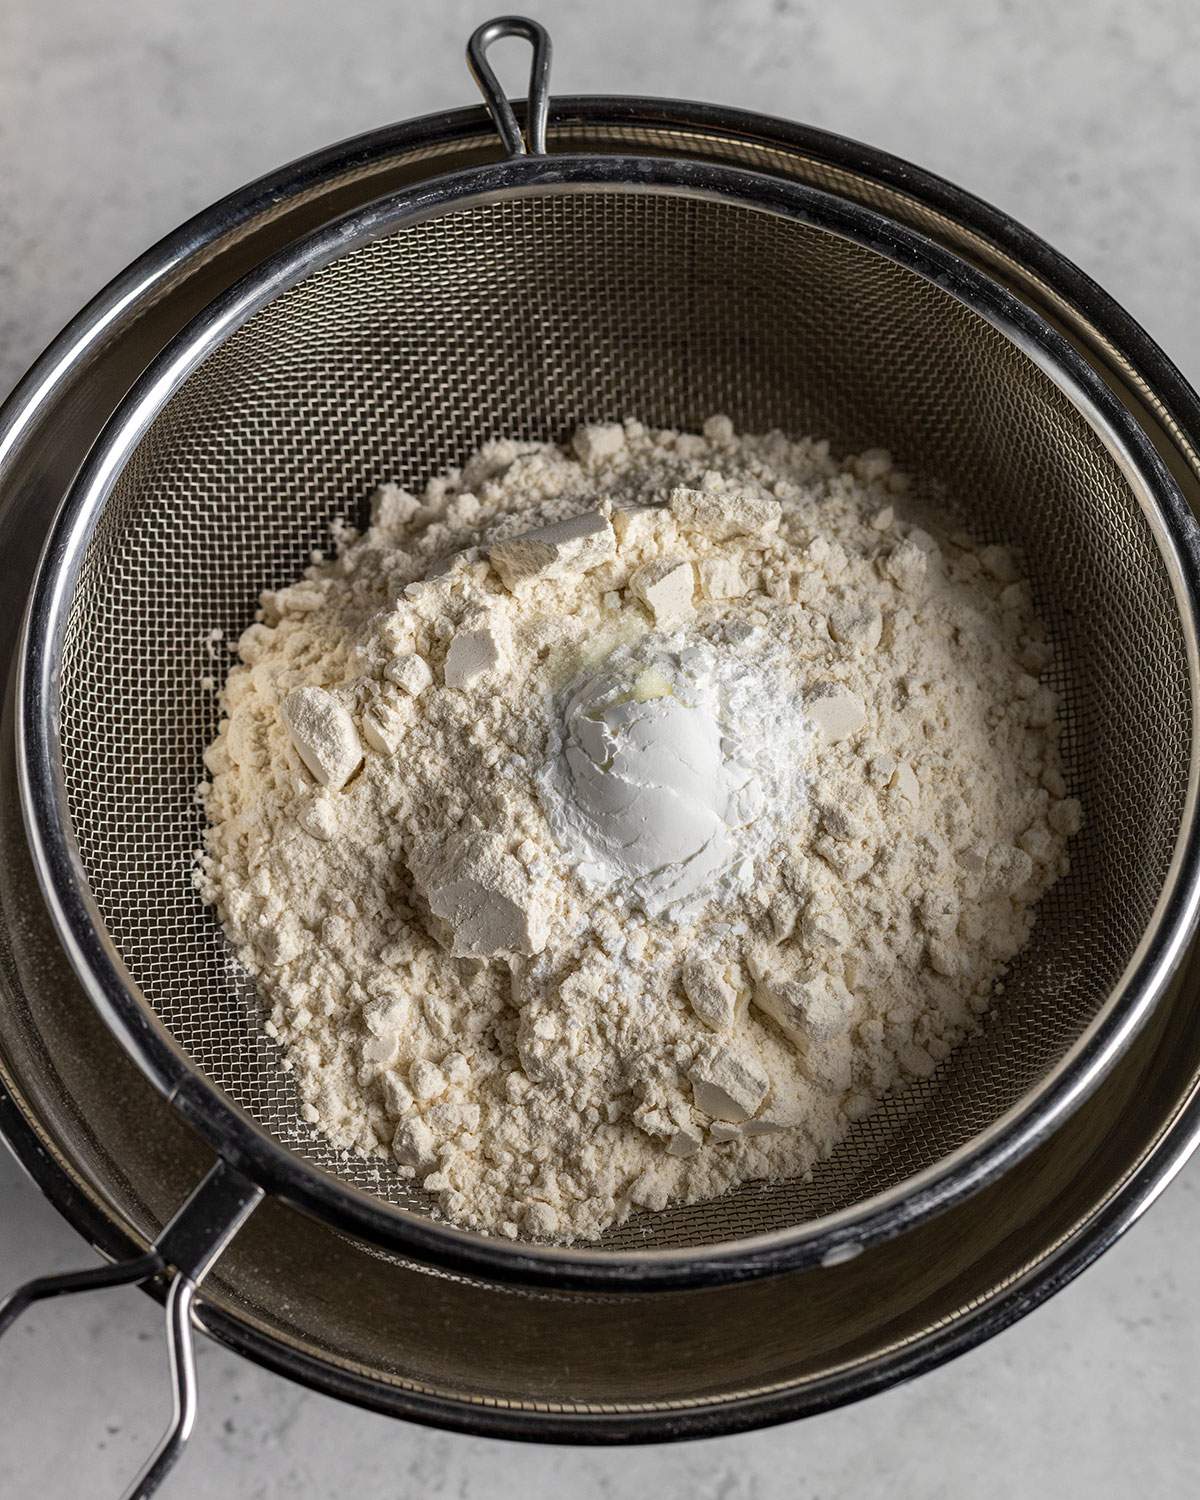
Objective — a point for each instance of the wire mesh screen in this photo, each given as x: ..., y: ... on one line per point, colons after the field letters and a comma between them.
x: 524, y: 317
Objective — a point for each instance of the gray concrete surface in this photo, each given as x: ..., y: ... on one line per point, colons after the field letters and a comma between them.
x: 1082, y: 119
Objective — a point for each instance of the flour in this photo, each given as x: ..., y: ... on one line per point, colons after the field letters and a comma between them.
x: 607, y: 827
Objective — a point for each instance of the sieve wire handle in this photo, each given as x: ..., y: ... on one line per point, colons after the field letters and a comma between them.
x: 185, y: 1251
x: 494, y: 96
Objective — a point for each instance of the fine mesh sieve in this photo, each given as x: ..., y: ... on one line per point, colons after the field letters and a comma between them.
x: 521, y: 300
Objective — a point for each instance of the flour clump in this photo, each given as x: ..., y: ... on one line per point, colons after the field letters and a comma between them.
x: 610, y: 825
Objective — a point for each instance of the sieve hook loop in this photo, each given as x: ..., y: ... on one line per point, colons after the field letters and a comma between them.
x: 184, y: 1252
x: 494, y: 96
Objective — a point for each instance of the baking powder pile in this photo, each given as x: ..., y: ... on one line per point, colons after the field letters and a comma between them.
x: 607, y: 827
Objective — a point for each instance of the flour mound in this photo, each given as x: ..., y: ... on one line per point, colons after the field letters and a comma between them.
x: 440, y: 754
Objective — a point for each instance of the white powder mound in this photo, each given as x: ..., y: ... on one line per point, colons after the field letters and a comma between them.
x: 675, y: 763
x: 606, y: 828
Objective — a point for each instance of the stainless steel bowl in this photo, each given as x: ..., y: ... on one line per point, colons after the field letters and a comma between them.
x: 120, y: 1159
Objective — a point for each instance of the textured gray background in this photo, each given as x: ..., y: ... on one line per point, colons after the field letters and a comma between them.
x: 1082, y: 119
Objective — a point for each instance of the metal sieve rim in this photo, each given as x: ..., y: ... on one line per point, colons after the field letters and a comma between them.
x: 228, y: 1129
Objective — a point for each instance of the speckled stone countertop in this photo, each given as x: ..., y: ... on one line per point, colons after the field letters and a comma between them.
x: 1082, y: 119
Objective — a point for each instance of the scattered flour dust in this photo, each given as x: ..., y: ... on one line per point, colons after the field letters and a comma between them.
x: 610, y: 826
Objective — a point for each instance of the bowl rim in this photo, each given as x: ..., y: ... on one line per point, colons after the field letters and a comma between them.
x: 227, y: 1128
